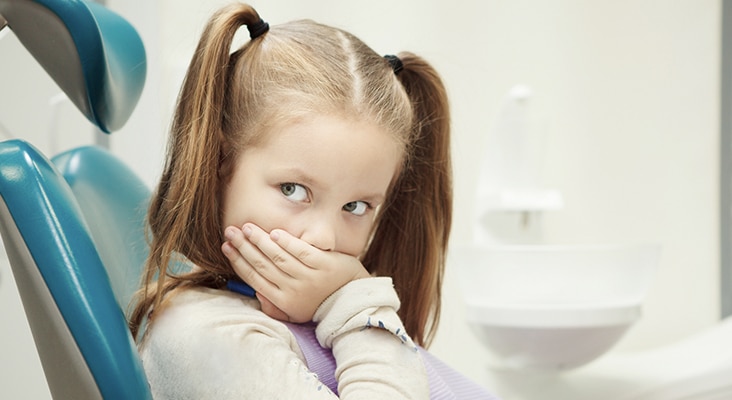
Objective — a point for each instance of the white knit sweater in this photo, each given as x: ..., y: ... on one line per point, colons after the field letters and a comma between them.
x: 215, y: 344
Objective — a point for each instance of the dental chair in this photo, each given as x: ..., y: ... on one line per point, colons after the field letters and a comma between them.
x: 94, y: 55
x: 73, y: 228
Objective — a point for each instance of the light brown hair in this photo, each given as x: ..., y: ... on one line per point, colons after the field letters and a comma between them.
x: 228, y: 101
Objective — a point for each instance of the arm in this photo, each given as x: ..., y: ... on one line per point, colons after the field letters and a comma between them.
x: 214, y: 344
x: 359, y: 322
x: 356, y: 314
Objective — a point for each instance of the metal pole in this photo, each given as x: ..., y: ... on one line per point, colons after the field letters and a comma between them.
x: 725, y: 163
x: 101, y: 139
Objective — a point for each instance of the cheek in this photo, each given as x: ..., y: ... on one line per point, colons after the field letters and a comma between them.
x: 242, y: 200
x: 236, y: 216
x: 271, y: 218
x: 259, y: 207
x: 354, y: 242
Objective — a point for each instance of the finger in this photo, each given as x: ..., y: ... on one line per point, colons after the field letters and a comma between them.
x: 301, y: 250
x: 276, y: 254
x: 254, y: 257
x: 246, y: 272
x: 270, y: 309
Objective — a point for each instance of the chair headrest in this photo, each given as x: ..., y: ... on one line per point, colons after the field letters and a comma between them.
x: 95, y: 56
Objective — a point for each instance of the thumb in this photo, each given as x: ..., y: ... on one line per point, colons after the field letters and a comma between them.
x: 270, y: 309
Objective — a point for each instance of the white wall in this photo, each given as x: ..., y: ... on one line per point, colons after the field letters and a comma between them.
x: 629, y: 88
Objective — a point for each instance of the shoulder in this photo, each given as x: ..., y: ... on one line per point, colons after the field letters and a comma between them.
x: 203, y: 337
x: 209, y: 313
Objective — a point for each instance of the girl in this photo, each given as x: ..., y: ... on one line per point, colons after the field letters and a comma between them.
x: 318, y: 172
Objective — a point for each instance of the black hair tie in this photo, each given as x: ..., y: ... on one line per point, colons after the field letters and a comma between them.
x: 257, y: 29
x: 395, y: 62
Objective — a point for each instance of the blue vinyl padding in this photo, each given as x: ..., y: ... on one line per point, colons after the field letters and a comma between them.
x: 51, y: 224
x: 68, y: 35
x: 113, y: 201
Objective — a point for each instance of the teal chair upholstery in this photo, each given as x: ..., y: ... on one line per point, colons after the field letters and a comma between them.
x: 73, y: 229
x: 94, y: 55
x: 113, y: 201
x: 77, y: 323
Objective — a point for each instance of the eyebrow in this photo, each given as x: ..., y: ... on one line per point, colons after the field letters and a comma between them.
x: 374, y: 199
x: 300, y: 176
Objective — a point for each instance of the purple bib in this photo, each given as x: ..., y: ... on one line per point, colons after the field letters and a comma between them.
x: 445, y: 382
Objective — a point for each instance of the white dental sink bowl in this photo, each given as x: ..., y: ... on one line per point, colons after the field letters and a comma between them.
x: 552, y: 307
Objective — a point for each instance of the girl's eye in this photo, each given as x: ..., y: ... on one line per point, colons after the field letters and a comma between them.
x: 356, y: 207
x: 294, y: 192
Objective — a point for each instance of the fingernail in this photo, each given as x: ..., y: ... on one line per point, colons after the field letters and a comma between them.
x: 274, y: 235
x: 228, y: 233
x: 247, y: 231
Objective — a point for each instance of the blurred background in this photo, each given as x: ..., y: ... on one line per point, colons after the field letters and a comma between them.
x: 629, y: 93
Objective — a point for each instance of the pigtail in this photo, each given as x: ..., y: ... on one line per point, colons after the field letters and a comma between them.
x: 185, y: 205
x: 411, y: 240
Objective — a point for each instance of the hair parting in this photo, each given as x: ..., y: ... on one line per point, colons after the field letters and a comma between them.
x: 228, y: 100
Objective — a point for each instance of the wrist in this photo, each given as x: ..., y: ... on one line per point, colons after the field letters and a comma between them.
x: 354, y: 306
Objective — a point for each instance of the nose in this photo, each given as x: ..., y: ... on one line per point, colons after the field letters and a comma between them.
x: 320, y: 232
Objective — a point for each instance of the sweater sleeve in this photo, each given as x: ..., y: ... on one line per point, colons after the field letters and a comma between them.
x: 211, y: 344
x: 374, y: 355
x: 215, y: 344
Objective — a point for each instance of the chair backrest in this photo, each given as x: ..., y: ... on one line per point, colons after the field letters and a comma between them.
x: 78, y: 326
x: 113, y: 201
x: 63, y: 256
x: 94, y: 55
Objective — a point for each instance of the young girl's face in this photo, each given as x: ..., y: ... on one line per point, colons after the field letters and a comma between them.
x: 321, y: 179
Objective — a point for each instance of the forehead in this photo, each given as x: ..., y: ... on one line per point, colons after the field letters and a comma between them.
x: 332, y: 148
